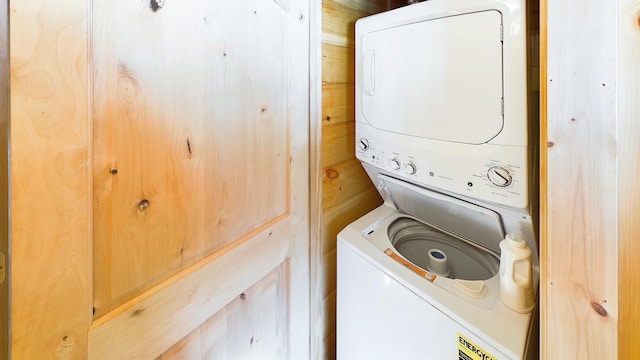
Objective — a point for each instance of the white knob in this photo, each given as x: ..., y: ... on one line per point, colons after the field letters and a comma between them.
x: 410, y: 169
x: 364, y: 144
x: 395, y: 164
x: 499, y: 176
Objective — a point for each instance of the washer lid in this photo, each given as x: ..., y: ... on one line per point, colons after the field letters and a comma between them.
x: 466, y: 220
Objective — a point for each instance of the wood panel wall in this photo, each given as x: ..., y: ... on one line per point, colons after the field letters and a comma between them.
x: 589, y: 195
x: 347, y: 192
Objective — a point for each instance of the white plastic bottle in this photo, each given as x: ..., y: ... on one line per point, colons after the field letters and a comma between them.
x: 516, y: 279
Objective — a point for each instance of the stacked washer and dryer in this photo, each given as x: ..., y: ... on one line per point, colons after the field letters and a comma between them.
x: 443, y: 131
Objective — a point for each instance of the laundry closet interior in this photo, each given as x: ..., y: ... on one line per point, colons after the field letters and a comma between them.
x: 177, y: 173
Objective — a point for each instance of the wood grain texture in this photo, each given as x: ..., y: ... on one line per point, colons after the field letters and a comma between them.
x: 316, y: 103
x: 182, y: 168
x: 329, y: 307
x: 337, y: 217
x: 4, y: 174
x: 50, y: 180
x: 343, y: 181
x: 201, y: 167
x: 184, y: 128
x: 340, y: 143
x: 580, y: 291
x: 628, y: 171
x: 177, y: 307
x: 338, y: 21
x: 338, y: 103
x: 338, y: 64
x: 258, y: 314
x: 543, y: 240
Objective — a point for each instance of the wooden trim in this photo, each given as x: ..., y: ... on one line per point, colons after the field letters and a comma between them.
x: 629, y: 192
x: 542, y: 246
x: 4, y: 176
x: 315, y: 170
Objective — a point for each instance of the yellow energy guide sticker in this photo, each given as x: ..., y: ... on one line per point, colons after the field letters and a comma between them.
x: 468, y: 350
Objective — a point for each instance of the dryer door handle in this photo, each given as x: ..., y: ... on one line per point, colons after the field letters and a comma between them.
x: 368, y: 73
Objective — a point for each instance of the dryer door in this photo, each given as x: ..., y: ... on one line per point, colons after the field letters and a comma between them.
x: 439, y: 79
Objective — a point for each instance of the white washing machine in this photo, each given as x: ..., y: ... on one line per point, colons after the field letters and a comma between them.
x: 443, y: 132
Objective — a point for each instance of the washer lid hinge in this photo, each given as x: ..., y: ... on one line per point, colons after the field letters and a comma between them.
x: 386, y: 194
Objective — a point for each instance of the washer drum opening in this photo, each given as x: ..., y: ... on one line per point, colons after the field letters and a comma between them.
x: 428, y: 247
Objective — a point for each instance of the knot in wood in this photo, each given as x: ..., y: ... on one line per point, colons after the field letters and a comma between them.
x: 599, y: 309
x: 143, y: 205
x: 332, y: 174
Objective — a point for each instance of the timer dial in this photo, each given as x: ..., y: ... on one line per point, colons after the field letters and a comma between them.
x: 363, y: 144
x: 499, y: 176
x: 395, y: 164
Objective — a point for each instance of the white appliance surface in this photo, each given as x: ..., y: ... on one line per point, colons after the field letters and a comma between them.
x: 398, y: 61
x: 441, y: 97
x: 387, y: 311
x: 442, y: 131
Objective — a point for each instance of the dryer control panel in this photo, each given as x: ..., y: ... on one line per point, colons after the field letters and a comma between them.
x: 493, y: 173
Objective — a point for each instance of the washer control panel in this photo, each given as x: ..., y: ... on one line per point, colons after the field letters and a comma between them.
x: 493, y: 173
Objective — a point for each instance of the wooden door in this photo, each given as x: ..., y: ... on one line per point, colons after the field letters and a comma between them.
x: 166, y: 146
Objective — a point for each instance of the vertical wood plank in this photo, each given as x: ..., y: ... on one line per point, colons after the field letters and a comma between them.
x: 4, y: 174
x: 297, y: 83
x: 628, y: 172
x: 579, y: 287
x: 543, y: 238
x: 316, y: 329
x: 50, y: 181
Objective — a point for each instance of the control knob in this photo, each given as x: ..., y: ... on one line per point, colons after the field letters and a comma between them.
x: 410, y: 169
x: 499, y: 176
x: 395, y: 164
x: 364, y: 144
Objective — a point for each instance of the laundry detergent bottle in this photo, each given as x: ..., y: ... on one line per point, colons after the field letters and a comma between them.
x: 516, y: 280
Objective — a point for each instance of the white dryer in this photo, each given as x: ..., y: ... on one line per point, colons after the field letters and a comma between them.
x: 443, y: 132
